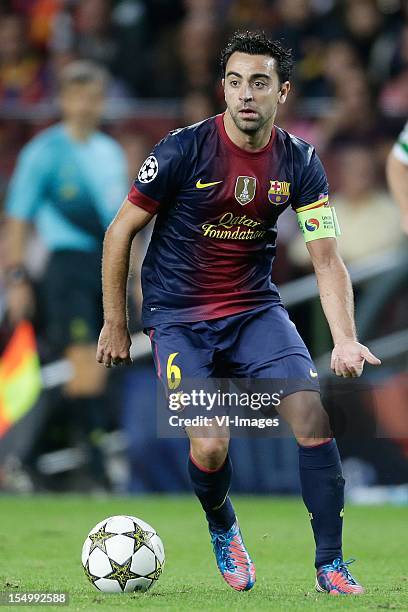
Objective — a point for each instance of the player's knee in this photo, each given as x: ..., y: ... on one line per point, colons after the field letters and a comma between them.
x: 209, y: 452
x: 309, y: 420
x: 315, y: 425
x: 313, y: 429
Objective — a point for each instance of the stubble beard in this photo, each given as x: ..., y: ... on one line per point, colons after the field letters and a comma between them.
x: 250, y: 126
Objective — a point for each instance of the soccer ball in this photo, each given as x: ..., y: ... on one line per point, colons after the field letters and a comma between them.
x: 123, y: 554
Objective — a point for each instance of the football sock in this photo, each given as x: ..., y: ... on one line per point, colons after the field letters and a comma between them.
x: 211, y: 488
x: 322, y: 485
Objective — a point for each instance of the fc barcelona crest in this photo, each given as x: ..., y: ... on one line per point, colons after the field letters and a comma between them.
x: 278, y: 192
x: 245, y: 188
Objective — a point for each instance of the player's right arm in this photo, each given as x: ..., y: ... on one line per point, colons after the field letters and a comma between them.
x: 158, y: 178
x: 397, y: 176
x: 114, y: 340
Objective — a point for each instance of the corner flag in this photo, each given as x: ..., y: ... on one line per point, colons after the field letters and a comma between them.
x: 20, y: 376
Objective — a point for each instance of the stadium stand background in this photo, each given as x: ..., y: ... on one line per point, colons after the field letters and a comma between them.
x: 349, y: 98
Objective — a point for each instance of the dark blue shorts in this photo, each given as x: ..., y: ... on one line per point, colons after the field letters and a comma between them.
x: 261, y: 343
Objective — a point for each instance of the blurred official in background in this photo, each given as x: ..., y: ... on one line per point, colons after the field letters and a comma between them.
x: 68, y: 182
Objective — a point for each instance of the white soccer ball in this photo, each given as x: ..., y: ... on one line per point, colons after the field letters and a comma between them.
x: 122, y: 554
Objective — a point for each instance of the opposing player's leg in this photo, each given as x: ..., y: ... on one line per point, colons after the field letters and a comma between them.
x: 322, y: 486
x: 209, y: 465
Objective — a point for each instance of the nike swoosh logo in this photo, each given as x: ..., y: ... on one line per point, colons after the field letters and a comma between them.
x: 313, y: 374
x: 201, y: 185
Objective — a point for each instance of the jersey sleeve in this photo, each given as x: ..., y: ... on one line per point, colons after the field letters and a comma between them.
x: 313, y: 191
x: 316, y: 218
x: 400, y: 148
x: 26, y: 191
x: 160, y: 176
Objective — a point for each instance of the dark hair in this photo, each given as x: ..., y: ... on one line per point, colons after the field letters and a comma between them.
x: 257, y: 43
x: 81, y: 72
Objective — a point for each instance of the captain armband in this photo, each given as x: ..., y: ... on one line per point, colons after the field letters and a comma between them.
x: 318, y: 223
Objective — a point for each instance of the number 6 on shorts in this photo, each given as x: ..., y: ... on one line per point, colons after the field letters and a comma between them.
x: 173, y: 372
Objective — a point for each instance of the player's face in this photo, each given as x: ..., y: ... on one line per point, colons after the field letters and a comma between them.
x: 83, y: 103
x: 253, y: 91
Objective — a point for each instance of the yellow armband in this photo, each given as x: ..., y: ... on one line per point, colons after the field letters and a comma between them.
x: 318, y: 223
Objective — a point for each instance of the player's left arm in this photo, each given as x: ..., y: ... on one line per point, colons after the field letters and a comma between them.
x: 336, y: 295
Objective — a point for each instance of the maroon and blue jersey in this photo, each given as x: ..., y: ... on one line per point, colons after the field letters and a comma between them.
x: 217, y: 206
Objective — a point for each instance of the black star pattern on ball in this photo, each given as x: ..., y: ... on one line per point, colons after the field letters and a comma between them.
x: 157, y: 572
x: 99, y: 539
x: 122, y: 573
x: 140, y: 537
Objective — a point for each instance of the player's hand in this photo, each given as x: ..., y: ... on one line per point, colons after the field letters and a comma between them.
x: 114, y: 345
x: 20, y: 302
x: 348, y: 358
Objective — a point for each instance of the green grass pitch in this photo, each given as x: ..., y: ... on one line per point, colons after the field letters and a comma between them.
x: 41, y: 541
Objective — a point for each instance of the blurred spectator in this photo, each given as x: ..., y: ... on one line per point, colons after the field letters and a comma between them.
x: 362, y: 21
x: 300, y: 28
x: 291, y: 119
x: 161, y: 56
x: 41, y: 15
x: 197, y: 105
x: 200, y: 59
x: 296, y: 24
x: 390, y: 67
x: 368, y: 219
x: 399, y: 58
x: 95, y: 39
x: 77, y: 179
x: 393, y: 99
x: 21, y: 71
x: 353, y: 116
x: 132, y: 38
x: 247, y: 14
x: 340, y: 59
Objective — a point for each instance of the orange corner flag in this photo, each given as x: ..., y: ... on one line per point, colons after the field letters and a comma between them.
x: 20, y: 376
